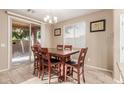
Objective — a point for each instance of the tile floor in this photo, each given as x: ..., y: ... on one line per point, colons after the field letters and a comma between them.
x: 23, y: 74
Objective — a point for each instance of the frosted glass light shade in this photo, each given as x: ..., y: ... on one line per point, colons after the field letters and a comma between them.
x: 50, y: 19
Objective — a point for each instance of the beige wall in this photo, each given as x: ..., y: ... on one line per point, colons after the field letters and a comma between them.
x: 3, y: 40
x: 46, y: 35
x: 100, y: 44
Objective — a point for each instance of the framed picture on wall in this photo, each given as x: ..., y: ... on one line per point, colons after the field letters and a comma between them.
x: 98, y: 25
x: 57, y: 32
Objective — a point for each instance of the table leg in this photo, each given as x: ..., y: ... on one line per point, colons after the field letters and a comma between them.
x: 63, y: 68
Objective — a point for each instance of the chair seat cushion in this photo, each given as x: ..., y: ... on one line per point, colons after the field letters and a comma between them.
x: 53, y: 61
x: 70, y: 62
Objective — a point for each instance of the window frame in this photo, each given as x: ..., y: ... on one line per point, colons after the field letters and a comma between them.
x: 64, y: 27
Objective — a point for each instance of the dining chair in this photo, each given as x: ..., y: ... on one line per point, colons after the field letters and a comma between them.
x: 37, y: 62
x: 60, y: 47
x: 49, y: 63
x: 68, y: 47
x: 77, y: 66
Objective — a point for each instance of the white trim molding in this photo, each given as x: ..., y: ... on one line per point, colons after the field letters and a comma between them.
x: 9, y: 42
x: 24, y: 17
x: 102, y: 69
x: 117, y: 81
x: 4, y: 69
x: 10, y: 18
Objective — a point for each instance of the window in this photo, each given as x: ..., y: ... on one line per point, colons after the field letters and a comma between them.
x: 75, y: 35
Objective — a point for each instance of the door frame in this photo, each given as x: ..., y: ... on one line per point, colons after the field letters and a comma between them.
x: 10, y: 18
x: 120, y: 38
x: 121, y: 28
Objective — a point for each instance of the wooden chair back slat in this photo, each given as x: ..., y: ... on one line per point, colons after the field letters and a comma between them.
x: 60, y: 47
x: 78, y: 66
x: 45, y: 55
x: 82, y: 55
x: 37, y: 64
x: 68, y: 47
x: 35, y: 49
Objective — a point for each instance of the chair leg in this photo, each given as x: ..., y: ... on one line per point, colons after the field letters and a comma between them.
x: 83, y: 78
x: 49, y: 73
x: 83, y: 75
x: 34, y: 68
x: 42, y: 71
x: 59, y: 73
x: 39, y: 69
x: 68, y: 70
x: 78, y: 75
x: 60, y: 68
x: 65, y: 73
x: 72, y: 72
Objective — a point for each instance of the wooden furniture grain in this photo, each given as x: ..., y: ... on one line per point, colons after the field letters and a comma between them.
x: 37, y: 63
x: 68, y: 47
x: 62, y: 54
x: 60, y: 47
x: 77, y: 66
x: 48, y: 62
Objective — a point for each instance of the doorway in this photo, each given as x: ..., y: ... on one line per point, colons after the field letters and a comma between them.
x: 20, y: 42
x: 23, y: 34
x: 121, y: 42
x: 35, y: 36
x: 122, y: 38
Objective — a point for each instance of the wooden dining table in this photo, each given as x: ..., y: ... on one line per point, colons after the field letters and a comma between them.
x: 62, y: 54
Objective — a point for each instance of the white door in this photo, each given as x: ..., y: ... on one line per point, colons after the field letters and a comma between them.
x: 122, y: 39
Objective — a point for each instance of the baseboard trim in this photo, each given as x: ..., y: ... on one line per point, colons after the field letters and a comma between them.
x: 117, y: 81
x: 99, y: 68
x: 4, y: 69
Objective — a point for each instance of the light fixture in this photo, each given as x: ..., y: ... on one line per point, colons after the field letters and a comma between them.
x: 47, y: 17
x: 50, y: 19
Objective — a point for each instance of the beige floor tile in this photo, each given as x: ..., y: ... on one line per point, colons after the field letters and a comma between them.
x: 23, y: 73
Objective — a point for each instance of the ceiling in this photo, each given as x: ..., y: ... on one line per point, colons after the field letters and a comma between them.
x: 62, y: 14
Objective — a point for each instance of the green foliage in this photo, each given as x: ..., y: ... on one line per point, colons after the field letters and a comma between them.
x: 20, y: 34
x: 38, y: 35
